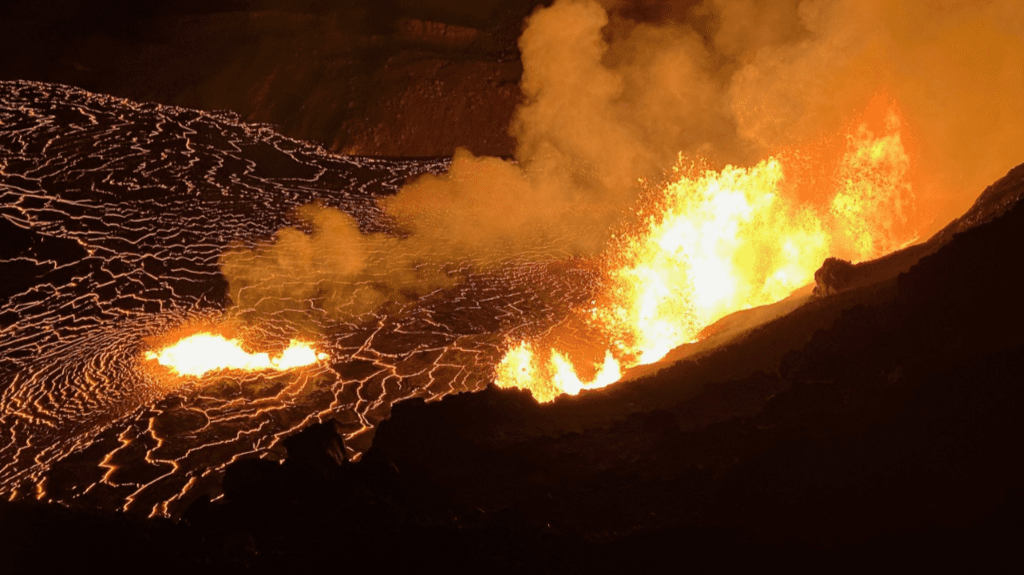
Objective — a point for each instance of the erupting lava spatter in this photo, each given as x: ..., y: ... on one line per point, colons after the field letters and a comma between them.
x: 202, y: 353
x: 716, y: 242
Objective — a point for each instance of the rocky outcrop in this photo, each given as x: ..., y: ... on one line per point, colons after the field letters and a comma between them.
x: 833, y: 276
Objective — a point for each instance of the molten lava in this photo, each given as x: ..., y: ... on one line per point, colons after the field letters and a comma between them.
x: 558, y: 376
x: 716, y: 242
x: 199, y: 354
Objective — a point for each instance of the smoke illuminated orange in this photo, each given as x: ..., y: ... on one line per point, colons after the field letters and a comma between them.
x: 199, y: 354
x: 722, y: 241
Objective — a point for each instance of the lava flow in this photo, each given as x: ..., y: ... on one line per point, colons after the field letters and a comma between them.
x: 715, y: 242
x: 202, y: 353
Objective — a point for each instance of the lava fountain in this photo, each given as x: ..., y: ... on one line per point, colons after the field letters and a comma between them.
x: 711, y: 243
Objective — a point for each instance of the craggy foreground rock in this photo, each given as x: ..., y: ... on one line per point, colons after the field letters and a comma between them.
x: 833, y: 276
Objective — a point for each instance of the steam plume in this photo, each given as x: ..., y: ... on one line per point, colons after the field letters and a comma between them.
x: 614, y: 92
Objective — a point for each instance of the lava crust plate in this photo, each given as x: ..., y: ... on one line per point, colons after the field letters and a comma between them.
x: 114, y: 216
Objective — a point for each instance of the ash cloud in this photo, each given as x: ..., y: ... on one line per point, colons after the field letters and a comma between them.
x: 615, y: 91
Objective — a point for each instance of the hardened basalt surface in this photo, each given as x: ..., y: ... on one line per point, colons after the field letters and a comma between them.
x: 114, y: 216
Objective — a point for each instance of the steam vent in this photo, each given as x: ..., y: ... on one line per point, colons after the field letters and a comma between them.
x: 511, y: 286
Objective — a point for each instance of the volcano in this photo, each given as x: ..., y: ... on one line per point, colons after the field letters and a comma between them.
x: 703, y: 304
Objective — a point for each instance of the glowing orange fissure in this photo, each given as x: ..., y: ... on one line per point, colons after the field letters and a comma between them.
x: 202, y: 353
x: 722, y: 241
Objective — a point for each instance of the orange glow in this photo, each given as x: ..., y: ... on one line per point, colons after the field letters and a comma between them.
x: 201, y: 353
x: 717, y: 242
x: 874, y: 202
x: 554, y: 377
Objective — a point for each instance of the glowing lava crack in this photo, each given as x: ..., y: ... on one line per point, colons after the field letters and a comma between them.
x: 202, y: 353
